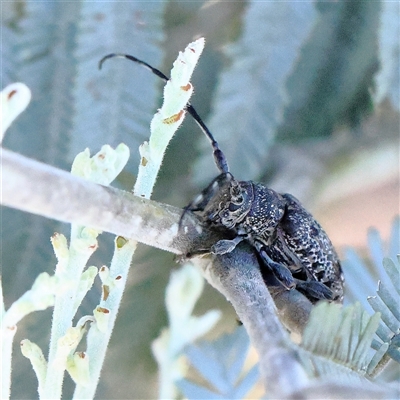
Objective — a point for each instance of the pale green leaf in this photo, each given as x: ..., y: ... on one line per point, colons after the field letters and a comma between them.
x: 251, y: 94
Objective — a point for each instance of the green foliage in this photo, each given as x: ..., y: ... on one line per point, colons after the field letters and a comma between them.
x: 251, y: 93
x: 347, y: 335
x: 373, y: 270
x: 387, y: 304
x: 344, y: 337
x: 54, y: 47
x: 278, y: 71
x: 221, y: 363
x: 387, y: 80
x: 331, y: 82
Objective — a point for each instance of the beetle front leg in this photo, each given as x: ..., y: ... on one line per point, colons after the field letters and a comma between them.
x: 226, y: 246
x: 283, y: 273
x: 223, y: 246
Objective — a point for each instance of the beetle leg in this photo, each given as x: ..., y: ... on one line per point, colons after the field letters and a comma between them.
x: 283, y: 273
x: 226, y: 246
x: 315, y: 289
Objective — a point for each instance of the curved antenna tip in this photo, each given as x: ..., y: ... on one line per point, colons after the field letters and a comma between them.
x: 112, y: 55
x: 101, y: 62
x: 219, y: 156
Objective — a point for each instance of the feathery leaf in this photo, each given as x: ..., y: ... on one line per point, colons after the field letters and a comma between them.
x: 251, y: 95
x: 221, y: 364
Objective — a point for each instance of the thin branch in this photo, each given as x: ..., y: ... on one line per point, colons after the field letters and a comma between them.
x: 37, y: 188
x: 44, y: 190
x: 237, y: 276
x: 34, y: 187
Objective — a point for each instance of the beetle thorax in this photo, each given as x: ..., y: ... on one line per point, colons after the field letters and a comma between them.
x: 267, y: 210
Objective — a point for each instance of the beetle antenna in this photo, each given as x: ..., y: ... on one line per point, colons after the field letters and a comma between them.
x: 219, y: 156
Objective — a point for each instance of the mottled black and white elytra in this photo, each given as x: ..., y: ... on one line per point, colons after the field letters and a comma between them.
x: 288, y: 240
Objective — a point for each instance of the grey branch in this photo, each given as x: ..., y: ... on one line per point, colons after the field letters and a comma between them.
x: 37, y: 188
x: 238, y: 277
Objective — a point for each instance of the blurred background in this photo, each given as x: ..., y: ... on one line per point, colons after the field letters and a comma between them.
x: 303, y: 96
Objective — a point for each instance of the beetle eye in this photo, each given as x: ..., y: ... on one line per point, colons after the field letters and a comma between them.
x: 237, y: 199
x: 224, y: 214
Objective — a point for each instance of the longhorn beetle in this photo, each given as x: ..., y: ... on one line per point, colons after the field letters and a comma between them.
x: 288, y: 240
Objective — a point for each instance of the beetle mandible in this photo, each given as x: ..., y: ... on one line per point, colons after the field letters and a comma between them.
x: 289, y: 242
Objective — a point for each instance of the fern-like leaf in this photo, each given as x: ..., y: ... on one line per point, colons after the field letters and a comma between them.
x: 387, y: 303
x: 361, y: 277
x: 387, y: 80
x: 116, y: 104
x: 251, y: 95
x: 333, y: 76
x: 33, y: 42
x: 221, y: 364
x: 344, y: 337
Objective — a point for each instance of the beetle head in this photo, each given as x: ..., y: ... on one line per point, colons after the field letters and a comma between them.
x: 231, y: 203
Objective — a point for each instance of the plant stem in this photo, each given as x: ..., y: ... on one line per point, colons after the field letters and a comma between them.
x: 164, y: 125
x: 81, y: 248
x: 8, y: 334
